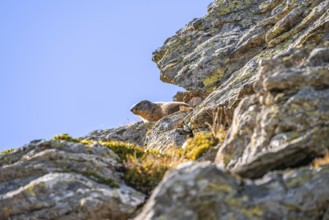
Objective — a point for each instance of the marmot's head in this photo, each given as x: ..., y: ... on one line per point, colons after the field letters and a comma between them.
x: 141, y: 107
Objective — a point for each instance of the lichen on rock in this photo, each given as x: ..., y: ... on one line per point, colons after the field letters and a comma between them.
x: 203, y: 191
x: 59, y: 179
x: 285, y: 124
x: 257, y: 70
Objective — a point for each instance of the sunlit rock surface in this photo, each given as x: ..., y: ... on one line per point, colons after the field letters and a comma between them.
x: 203, y: 191
x: 133, y: 133
x: 63, y: 180
x: 258, y: 68
x: 286, y: 123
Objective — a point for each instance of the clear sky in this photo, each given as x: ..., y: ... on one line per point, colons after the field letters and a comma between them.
x: 73, y: 66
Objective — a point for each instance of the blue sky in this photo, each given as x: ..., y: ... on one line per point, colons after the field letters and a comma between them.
x: 73, y: 66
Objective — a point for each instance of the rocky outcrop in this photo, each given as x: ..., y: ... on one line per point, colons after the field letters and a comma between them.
x: 133, y: 133
x: 259, y: 68
x: 203, y: 191
x: 219, y: 53
x: 264, y: 65
x: 63, y: 180
x: 164, y: 134
x: 286, y: 123
x: 168, y: 133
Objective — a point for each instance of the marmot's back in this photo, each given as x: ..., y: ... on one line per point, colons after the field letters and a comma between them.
x: 154, y: 111
x: 169, y: 108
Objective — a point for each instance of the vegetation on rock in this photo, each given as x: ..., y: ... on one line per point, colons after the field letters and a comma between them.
x: 145, y: 168
x: 7, y: 151
x: 145, y: 173
x: 199, y: 145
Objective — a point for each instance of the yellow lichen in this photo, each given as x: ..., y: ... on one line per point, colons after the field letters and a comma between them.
x: 214, y: 78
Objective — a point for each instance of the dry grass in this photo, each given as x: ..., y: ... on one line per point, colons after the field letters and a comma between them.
x: 145, y: 168
x: 219, y: 120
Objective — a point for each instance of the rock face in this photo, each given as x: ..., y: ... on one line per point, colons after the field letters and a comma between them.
x: 133, y: 133
x: 168, y: 133
x: 203, y: 191
x: 262, y: 66
x: 221, y: 51
x: 286, y: 123
x: 62, y: 180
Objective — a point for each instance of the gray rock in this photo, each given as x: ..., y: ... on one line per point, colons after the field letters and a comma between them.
x: 286, y: 123
x: 63, y: 180
x: 168, y: 132
x: 217, y: 56
x: 202, y: 191
x: 264, y: 66
x: 134, y: 133
x: 208, y: 50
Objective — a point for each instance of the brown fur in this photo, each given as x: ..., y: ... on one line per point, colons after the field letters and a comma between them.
x: 154, y: 111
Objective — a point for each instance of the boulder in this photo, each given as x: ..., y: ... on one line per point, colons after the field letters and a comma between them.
x: 286, y: 123
x: 64, y: 180
x: 168, y: 132
x: 217, y: 56
x: 203, y: 191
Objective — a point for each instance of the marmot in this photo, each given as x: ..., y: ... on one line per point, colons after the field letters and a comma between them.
x: 153, y: 111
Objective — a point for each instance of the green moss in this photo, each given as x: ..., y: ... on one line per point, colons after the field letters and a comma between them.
x: 123, y: 149
x: 199, y: 145
x: 7, y: 151
x: 66, y: 137
x: 145, y: 168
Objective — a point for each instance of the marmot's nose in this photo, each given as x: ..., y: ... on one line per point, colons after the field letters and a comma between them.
x: 132, y: 110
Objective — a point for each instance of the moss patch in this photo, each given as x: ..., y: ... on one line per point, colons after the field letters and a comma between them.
x: 199, y: 145
x: 66, y: 137
x: 7, y: 151
x: 123, y: 149
x: 145, y: 168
